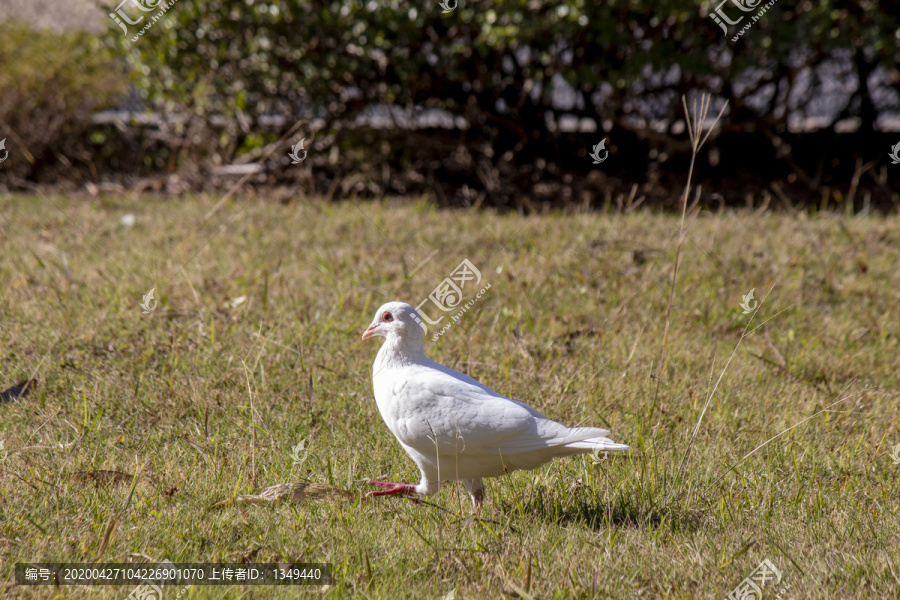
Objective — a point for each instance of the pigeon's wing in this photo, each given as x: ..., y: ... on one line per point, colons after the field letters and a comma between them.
x: 439, y: 406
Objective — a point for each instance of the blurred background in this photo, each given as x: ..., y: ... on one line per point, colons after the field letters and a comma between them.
x: 469, y: 102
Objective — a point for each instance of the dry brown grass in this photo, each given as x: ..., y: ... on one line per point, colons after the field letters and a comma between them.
x: 572, y: 324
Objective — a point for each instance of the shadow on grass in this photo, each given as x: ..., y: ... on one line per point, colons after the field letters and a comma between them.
x: 597, y: 515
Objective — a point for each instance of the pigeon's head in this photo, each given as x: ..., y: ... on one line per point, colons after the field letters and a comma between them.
x: 396, y: 321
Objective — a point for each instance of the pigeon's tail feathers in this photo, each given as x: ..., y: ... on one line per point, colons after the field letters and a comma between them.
x: 599, y: 445
x: 571, y: 442
x: 590, y: 439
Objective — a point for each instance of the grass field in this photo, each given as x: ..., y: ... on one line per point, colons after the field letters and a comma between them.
x: 255, y: 345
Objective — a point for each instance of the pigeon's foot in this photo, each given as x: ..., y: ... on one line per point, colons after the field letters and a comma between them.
x: 475, y: 487
x: 390, y: 488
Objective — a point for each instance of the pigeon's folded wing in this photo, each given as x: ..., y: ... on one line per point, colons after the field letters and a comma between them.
x: 440, y: 405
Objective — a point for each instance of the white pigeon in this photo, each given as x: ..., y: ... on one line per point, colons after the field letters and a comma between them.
x: 455, y: 428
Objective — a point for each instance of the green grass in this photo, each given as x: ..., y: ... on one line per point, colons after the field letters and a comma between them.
x: 572, y: 324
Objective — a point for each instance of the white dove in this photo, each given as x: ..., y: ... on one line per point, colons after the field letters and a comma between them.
x: 455, y: 428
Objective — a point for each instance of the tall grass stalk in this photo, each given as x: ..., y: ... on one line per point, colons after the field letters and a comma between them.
x: 695, y: 131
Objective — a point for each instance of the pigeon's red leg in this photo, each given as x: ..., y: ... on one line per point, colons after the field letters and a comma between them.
x: 391, y: 488
x: 384, y: 484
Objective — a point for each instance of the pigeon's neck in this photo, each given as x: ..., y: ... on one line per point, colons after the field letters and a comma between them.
x: 399, y: 352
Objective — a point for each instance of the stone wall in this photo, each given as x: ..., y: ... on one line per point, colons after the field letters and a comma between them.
x: 56, y: 15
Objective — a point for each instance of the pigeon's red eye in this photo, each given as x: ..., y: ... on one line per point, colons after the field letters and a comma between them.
x: 387, y: 317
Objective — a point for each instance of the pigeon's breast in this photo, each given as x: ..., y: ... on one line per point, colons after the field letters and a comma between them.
x: 396, y: 400
x: 413, y: 413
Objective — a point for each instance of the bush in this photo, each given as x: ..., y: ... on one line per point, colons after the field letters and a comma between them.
x: 498, y: 65
x: 50, y: 85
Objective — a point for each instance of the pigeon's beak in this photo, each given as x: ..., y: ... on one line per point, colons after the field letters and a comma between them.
x: 370, y: 332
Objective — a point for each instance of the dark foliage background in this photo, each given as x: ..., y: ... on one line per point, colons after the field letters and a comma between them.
x: 241, y: 73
